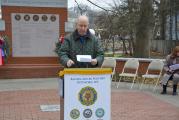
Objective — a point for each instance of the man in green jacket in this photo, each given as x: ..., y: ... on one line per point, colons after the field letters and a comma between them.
x: 81, y: 42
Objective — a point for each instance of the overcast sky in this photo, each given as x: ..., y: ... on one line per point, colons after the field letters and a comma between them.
x: 102, y: 3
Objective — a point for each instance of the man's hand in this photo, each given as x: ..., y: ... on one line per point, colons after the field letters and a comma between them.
x: 94, y: 61
x: 70, y: 63
x: 170, y: 71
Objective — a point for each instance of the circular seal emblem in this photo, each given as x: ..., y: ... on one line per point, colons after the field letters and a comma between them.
x: 99, y: 112
x: 87, y: 96
x: 75, y: 114
x: 87, y: 113
x: 44, y: 18
x: 35, y: 17
x: 53, y: 18
x: 26, y: 17
x: 17, y: 17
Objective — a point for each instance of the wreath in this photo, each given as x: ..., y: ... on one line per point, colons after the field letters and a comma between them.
x: 4, y: 46
x: 58, y: 44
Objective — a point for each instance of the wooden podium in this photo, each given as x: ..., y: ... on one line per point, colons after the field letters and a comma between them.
x: 87, y: 94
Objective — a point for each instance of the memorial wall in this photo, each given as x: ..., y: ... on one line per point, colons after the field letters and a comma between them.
x: 33, y: 28
x: 34, y: 35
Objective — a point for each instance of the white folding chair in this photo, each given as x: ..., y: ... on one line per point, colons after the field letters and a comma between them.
x: 132, y: 65
x: 110, y: 63
x: 153, y: 73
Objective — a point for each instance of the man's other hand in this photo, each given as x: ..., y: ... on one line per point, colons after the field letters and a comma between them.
x: 94, y: 61
x: 70, y: 63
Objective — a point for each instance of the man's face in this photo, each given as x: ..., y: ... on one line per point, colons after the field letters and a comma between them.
x: 177, y: 54
x: 82, y: 27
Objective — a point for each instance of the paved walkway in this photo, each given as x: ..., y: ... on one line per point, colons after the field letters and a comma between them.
x: 21, y: 100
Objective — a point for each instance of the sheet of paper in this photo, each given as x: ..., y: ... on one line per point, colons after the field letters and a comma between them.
x: 83, y: 58
x: 174, y: 67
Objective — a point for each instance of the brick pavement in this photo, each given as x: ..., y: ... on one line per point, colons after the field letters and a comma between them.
x: 141, y: 106
x: 126, y: 105
x: 25, y: 105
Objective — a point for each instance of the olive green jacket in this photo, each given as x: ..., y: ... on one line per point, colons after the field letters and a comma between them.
x: 73, y: 46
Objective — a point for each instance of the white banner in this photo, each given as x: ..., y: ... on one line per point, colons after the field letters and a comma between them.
x: 87, y: 97
x: 34, y: 35
x: 36, y: 3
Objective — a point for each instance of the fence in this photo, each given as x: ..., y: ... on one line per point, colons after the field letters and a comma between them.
x: 163, y: 46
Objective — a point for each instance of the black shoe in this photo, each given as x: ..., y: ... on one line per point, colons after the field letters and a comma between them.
x: 163, y: 92
x: 175, y: 93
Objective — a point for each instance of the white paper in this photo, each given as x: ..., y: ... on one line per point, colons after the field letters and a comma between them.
x: 174, y: 67
x: 83, y: 58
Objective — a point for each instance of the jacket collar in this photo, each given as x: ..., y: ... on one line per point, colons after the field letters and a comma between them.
x: 77, y: 36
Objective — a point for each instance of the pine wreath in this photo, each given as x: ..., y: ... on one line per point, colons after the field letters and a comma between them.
x: 57, y: 48
x: 58, y: 44
x: 4, y: 45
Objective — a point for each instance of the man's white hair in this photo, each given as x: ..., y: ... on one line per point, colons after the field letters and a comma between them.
x: 82, y: 17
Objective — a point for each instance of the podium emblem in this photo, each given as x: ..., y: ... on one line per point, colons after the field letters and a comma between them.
x: 75, y: 114
x: 87, y: 113
x: 87, y: 96
x: 100, y: 112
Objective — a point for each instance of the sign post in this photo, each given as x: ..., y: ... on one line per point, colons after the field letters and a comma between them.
x: 87, y: 94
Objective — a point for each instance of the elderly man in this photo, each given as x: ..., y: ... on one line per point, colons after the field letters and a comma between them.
x: 81, y: 42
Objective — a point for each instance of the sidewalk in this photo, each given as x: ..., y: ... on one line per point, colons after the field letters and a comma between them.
x: 21, y: 100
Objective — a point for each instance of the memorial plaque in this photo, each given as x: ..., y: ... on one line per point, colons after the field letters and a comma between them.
x: 34, y: 35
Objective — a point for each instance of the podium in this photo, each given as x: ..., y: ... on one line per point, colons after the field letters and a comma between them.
x: 87, y: 94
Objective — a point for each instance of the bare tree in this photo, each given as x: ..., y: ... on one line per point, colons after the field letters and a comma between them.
x: 144, y: 29
x: 176, y: 17
x: 163, y: 12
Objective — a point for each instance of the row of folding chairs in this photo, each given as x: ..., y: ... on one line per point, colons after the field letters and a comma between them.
x: 130, y: 70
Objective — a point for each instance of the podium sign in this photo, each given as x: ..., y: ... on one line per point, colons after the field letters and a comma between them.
x: 87, y: 94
